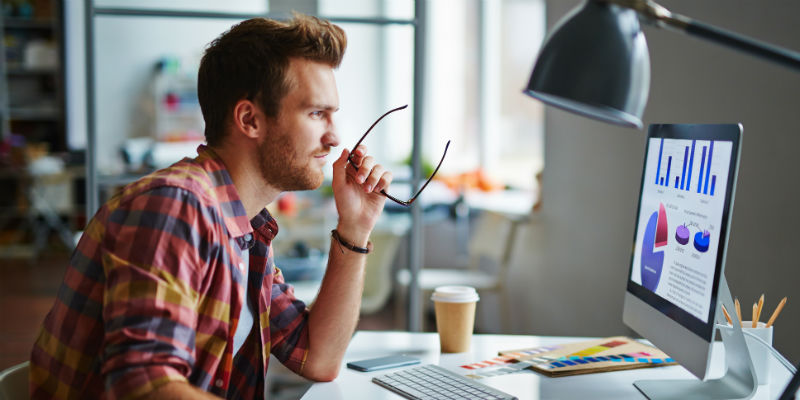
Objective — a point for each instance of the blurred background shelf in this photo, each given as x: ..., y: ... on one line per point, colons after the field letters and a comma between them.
x: 32, y: 91
x: 34, y: 113
x: 38, y: 176
x: 29, y: 23
x: 21, y: 70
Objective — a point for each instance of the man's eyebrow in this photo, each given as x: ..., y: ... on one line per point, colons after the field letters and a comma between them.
x: 326, y: 107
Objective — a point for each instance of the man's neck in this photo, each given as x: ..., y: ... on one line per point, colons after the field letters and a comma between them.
x: 242, y: 166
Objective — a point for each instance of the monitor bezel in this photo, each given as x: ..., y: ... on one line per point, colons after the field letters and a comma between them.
x: 716, y: 132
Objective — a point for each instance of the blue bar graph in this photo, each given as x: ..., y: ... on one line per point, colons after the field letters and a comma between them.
x: 708, y: 169
x: 702, y: 164
x: 658, y: 168
x: 683, y: 174
x: 713, y: 183
x: 683, y: 180
x: 669, y: 166
x: 691, y: 162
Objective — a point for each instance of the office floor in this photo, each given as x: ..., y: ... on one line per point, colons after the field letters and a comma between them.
x: 27, y: 291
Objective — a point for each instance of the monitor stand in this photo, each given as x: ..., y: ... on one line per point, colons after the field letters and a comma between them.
x: 739, y: 381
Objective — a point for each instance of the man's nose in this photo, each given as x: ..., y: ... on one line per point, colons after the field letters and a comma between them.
x: 330, y: 139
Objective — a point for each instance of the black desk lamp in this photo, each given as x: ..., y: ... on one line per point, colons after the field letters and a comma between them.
x: 595, y: 61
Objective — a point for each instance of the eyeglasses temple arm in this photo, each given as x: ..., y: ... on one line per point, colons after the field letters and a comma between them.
x: 370, y: 129
x: 426, y: 182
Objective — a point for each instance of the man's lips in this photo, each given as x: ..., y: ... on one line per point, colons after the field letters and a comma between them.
x: 321, y: 158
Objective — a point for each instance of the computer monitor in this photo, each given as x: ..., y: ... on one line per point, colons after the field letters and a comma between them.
x: 681, y: 235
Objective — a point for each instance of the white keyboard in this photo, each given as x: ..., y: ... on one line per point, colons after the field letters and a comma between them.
x: 434, y: 382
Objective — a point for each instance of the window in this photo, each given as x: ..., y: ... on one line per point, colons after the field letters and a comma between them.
x: 480, y: 54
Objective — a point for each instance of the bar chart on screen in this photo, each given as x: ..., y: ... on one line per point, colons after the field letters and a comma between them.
x: 684, y: 182
x: 687, y: 167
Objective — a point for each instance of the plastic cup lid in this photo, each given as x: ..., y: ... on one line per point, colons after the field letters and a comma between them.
x: 455, y: 294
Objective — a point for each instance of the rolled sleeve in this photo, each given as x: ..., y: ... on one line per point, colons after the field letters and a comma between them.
x: 150, y: 303
x: 288, y: 322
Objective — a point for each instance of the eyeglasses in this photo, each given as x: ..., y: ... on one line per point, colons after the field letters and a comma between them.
x: 383, y: 192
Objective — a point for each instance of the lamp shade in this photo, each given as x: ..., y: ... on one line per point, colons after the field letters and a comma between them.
x: 595, y: 63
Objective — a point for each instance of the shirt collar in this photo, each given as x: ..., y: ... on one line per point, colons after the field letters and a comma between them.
x: 230, y: 203
x: 265, y: 224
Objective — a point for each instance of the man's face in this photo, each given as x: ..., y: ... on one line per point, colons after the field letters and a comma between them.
x: 297, y: 141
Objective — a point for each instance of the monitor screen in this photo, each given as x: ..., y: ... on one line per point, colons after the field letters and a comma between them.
x: 681, y: 228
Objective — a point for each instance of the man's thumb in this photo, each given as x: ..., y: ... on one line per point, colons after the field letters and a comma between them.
x: 340, y: 164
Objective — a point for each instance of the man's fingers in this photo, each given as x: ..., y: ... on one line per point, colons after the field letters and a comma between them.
x: 361, y: 169
x: 365, y: 169
x: 374, y: 177
x: 351, y: 172
x: 383, y: 182
x: 358, y: 155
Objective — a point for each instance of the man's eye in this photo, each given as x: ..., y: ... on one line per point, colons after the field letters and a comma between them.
x: 317, y: 114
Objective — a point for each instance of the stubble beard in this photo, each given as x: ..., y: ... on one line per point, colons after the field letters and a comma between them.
x: 281, y: 168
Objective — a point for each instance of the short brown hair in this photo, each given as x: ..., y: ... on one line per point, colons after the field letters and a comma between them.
x: 250, y: 61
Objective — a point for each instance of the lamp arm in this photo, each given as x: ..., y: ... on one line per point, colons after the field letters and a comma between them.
x: 659, y: 16
x: 736, y: 41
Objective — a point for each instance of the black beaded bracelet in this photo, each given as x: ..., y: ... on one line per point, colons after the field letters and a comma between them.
x: 350, y: 246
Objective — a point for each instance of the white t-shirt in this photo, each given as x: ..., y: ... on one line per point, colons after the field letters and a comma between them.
x: 245, y: 318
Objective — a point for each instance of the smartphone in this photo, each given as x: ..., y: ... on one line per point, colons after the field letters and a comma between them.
x: 374, y: 364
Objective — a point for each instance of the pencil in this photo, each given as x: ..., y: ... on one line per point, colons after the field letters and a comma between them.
x: 727, y: 316
x: 738, y: 311
x: 755, y: 311
x: 776, y: 312
x: 760, y: 307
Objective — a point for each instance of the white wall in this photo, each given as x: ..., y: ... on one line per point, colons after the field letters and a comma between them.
x: 127, y: 50
x: 569, y: 275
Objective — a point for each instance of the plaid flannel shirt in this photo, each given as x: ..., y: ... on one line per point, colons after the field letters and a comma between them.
x: 153, y: 292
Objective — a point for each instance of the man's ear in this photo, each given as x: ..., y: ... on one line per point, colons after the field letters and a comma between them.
x: 248, y: 118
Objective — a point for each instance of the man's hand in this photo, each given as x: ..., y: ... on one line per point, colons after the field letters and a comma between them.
x: 357, y: 194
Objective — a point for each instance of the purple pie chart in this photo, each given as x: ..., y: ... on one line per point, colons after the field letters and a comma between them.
x: 651, y: 261
x: 682, y: 234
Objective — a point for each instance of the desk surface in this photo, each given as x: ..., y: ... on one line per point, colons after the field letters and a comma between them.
x: 525, y: 385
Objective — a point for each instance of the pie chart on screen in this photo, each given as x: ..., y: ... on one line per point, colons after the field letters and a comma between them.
x: 655, y: 236
x: 682, y: 234
x: 702, y: 241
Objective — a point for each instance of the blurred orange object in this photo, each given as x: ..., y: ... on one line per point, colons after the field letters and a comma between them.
x: 287, y: 204
x: 476, y: 179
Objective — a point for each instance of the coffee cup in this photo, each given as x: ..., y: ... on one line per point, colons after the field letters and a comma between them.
x: 455, y: 316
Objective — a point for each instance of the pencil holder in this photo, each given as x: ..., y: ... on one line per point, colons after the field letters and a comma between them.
x: 758, y: 352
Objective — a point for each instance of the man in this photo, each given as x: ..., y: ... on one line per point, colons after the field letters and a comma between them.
x: 172, y: 291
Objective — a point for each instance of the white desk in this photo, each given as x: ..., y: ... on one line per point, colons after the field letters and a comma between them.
x: 525, y: 385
